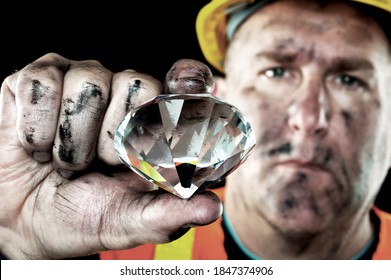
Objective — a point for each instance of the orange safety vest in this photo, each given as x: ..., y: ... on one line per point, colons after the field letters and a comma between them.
x: 207, y: 243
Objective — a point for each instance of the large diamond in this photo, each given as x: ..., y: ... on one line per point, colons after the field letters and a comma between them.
x: 184, y: 142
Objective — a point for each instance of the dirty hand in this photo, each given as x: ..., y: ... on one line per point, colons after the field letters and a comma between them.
x: 63, y: 191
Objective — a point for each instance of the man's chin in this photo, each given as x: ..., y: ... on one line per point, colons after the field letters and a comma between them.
x: 300, y: 222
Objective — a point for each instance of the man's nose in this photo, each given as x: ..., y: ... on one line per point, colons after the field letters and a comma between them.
x: 308, y: 114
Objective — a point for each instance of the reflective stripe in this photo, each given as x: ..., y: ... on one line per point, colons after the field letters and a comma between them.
x: 180, y: 249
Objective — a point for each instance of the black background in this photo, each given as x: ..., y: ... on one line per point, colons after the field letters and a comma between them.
x: 147, y: 36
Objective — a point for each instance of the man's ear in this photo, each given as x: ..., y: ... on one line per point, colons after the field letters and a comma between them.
x: 220, y: 88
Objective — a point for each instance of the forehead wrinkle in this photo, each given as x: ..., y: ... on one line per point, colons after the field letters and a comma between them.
x: 288, y: 34
x: 320, y: 24
x: 295, y: 24
x: 285, y: 50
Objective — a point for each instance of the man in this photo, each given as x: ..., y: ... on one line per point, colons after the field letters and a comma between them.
x: 314, y: 84
x: 313, y: 78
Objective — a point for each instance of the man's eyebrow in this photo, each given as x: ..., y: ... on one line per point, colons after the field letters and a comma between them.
x: 337, y: 65
x: 278, y: 56
x: 350, y: 64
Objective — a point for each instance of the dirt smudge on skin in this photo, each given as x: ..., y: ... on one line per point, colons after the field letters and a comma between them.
x: 133, y: 89
x: 111, y: 136
x: 38, y: 91
x: 283, y: 149
x: 67, y: 146
x: 347, y: 117
x: 90, y: 91
x: 29, y: 135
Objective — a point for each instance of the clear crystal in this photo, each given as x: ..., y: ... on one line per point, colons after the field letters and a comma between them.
x: 184, y: 142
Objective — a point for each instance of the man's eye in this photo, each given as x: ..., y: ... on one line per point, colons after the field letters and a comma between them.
x: 278, y: 72
x: 346, y: 80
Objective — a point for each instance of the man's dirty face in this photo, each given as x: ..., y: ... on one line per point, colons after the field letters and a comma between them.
x: 313, y: 82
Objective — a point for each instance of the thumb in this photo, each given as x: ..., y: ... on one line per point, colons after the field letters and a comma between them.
x: 174, y: 216
x: 189, y: 76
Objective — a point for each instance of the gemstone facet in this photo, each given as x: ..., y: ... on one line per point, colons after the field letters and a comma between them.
x: 184, y: 142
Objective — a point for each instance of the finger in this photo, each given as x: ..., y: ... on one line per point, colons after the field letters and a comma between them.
x: 84, y: 102
x: 170, y: 217
x: 201, y: 209
x: 130, y: 89
x: 163, y: 218
x: 37, y: 90
x: 189, y: 76
x: 118, y: 211
x: 10, y: 144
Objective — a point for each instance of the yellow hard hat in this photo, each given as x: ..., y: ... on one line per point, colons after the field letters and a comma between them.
x: 211, y: 26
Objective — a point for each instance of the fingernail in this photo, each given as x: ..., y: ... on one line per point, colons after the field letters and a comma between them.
x: 187, y: 226
x: 189, y: 76
x: 180, y: 232
x: 42, y: 156
x: 65, y: 173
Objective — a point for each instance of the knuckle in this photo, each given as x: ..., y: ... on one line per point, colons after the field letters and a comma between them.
x: 91, y: 67
x: 49, y: 62
x: 133, y: 89
x: 90, y: 99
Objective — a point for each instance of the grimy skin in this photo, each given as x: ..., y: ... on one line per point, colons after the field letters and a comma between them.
x: 315, y: 84
x: 63, y: 190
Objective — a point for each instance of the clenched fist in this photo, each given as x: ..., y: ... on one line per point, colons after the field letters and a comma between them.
x: 63, y: 191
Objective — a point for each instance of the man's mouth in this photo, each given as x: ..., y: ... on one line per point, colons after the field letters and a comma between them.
x: 301, y: 164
